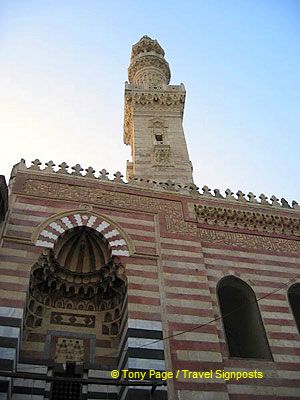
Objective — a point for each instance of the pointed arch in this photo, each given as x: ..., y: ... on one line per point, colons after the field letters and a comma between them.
x: 294, y: 300
x: 242, y: 322
x: 49, y: 231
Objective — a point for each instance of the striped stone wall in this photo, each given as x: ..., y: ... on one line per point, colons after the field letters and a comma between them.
x: 10, y: 337
x: 26, y: 233
x: 173, y: 265
x: 265, y: 272
x: 192, y: 271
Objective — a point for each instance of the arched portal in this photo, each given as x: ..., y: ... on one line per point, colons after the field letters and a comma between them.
x: 76, y: 282
x: 244, y: 330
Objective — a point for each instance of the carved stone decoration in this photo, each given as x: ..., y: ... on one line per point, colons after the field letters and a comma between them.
x: 175, y: 225
x: 63, y: 168
x: 69, y: 349
x: 55, y: 286
x: 207, y: 191
x: 36, y: 165
x: 147, y: 64
x: 128, y: 124
x: 59, y: 318
x: 250, y: 220
x: 77, y: 169
x: 245, y: 241
x: 118, y: 177
x: 155, y: 99
x: 162, y: 155
x: 111, y: 323
x: 49, y: 167
x: 103, y: 175
x: 34, y: 314
x: 172, y: 209
x: 90, y: 172
x: 127, y: 201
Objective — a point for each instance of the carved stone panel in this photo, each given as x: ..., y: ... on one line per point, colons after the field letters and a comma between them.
x: 69, y: 349
x: 161, y: 154
x: 249, y: 241
x: 71, y: 319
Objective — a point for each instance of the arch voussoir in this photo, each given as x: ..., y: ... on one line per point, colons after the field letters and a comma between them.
x: 51, y: 232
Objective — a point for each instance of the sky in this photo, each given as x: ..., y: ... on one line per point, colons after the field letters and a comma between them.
x: 63, y: 65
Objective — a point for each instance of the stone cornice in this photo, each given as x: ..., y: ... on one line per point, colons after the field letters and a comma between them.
x: 261, y: 221
x: 166, y: 98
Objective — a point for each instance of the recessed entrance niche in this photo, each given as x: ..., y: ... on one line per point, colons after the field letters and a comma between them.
x: 76, y: 289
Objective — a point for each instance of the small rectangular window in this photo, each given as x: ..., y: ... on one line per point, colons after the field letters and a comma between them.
x: 159, y: 139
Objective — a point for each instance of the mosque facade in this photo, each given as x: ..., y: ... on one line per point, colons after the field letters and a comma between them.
x: 183, y: 293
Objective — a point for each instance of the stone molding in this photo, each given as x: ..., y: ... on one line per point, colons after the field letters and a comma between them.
x: 127, y: 201
x: 255, y: 242
x: 156, y: 99
x: 249, y: 220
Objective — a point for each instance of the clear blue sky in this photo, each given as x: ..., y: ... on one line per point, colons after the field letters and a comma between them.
x: 63, y: 65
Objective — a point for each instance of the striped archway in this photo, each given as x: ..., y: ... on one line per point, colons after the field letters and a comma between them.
x: 49, y: 233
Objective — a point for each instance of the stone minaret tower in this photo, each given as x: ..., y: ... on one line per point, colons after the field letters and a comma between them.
x: 153, y: 118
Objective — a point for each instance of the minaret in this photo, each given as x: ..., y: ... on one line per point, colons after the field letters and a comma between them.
x: 153, y: 118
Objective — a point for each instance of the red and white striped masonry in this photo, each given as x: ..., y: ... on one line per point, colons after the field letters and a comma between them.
x: 54, y: 229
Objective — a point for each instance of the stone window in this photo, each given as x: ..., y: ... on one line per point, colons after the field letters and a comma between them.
x: 243, y: 326
x: 294, y: 299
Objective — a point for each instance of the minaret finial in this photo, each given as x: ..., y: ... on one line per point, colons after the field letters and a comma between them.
x: 147, y: 63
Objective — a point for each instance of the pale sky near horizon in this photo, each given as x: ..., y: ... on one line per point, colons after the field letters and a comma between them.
x: 63, y: 65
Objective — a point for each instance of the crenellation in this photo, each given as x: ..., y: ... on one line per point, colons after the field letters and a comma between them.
x: 35, y: 165
x: 49, y: 166
x: 90, y: 173
x: 63, y: 168
x: 170, y: 185
x: 77, y: 169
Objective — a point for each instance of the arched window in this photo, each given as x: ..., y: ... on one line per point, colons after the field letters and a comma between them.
x: 294, y: 299
x: 245, y: 334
